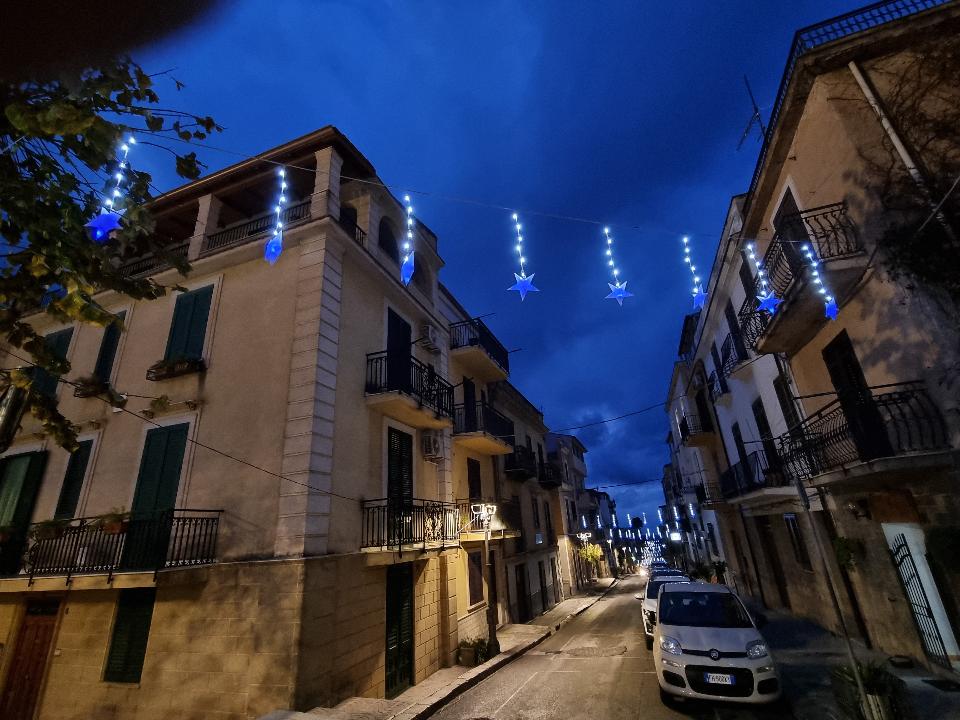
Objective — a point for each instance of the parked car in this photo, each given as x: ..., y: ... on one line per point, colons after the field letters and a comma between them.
x: 707, y: 646
x: 650, y: 601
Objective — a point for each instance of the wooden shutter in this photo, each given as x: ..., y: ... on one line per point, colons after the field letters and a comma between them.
x: 734, y: 325
x: 160, y: 467
x: 399, y: 465
x: 785, y: 398
x: 475, y: 560
x: 131, y: 629
x: 473, y: 479
x: 746, y: 277
x: 399, y: 628
x: 108, y: 349
x: 189, y: 326
x: 766, y: 436
x: 58, y: 343
x: 73, y: 481
x: 738, y: 442
x: 19, y: 484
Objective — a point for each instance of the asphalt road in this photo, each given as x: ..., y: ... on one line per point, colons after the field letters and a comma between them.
x: 596, y: 667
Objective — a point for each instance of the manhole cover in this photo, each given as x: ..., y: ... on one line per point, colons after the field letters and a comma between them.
x: 611, y: 651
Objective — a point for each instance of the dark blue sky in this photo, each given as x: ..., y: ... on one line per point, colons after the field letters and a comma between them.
x: 624, y: 112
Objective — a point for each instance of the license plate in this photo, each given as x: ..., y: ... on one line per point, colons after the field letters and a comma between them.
x: 718, y: 679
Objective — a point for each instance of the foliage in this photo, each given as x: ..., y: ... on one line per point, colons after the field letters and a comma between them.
x: 58, y: 155
x: 592, y: 553
x: 847, y: 551
x: 700, y: 572
x: 480, y: 647
x: 719, y: 568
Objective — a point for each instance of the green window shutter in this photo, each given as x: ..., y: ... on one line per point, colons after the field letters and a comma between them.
x: 399, y: 465
x: 131, y: 630
x: 73, y: 481
x: 189, y: 327
x: 160, y: 467
x: 108, y: 349
x: 44, y: 382
x: 19, y: 483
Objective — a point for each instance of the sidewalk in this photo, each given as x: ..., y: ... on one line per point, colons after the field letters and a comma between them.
x: 806, y: 653
x: 425, y: 698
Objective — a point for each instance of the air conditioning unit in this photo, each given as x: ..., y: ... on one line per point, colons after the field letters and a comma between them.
x: 432, y: 445
x: 430, y: 338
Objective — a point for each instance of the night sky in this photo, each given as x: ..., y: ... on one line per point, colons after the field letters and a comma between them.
x: 621, y: 113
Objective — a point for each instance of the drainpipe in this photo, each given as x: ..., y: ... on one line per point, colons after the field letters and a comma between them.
x: 898, y: 145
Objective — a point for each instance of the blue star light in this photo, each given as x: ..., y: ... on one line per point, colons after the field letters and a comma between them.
x: 406, y: 270
x: 271, y: 253
x: 830, y: 309
x: 618, y: 292
x: 523, y: 285
x: 768, y: 303
x: 101, y: 226
x: 699, y: 297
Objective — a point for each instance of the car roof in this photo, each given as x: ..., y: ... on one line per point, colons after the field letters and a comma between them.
x: 695, y: 586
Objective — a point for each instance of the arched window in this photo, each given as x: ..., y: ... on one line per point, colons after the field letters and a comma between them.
x: 388, y: 241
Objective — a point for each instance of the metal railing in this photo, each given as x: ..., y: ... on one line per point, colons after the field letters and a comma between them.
x: 144, y: 542
x: 475, y: 333
x: 731, y: 355
x: 755, y: 473
x: 355, y: 231
x: 404, y: 373
x: 506, y: 519
x: 691, y: 425
x: 153, y: 264
x: 394, y: 524
x: 241, y: 232
x: 550, y: 475
x: 812, y: 37
x: 522, y: 461
x: 753, y: 322
x: 482, y: 417
x: 862, y: 428
x: 717, y: 385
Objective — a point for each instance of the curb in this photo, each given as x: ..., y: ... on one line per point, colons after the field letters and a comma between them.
x: 507, y: 658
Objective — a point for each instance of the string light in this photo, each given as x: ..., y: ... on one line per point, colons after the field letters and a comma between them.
x: 109, y: 218
x: 699, y: 296
x: 274, y: 246
x: 767, y: 299
x: 618, y: 290
x: 524, y: 282
x: 407, y: 267
x: 830, y: 308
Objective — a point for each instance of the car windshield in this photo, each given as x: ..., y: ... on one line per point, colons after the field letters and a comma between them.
x: 702, y: 609
x: 653, y: 587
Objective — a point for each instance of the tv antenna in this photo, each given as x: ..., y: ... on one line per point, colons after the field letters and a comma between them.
x: 755, y: 118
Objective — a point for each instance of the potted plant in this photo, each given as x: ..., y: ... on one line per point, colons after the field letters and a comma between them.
x: 847, y: 551
x: 89, y: 387
x: 114, y: 522
x: 174, y: 367
x: 49, y: 529
x: 467, y: 653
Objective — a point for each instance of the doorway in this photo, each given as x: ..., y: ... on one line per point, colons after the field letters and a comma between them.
x: 769, y: 546
x: 399, y: 640
x: 523, y: 595
x: 398, y: 352
x: 29, y: 661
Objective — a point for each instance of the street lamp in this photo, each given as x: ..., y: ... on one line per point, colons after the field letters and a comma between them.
x: 483, y: 514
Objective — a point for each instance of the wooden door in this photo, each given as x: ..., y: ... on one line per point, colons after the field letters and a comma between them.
x: 29, y: 662
x: 469, y: 406
x: 770, y: 550
x: 523, y: 595
x: 398, y: 352
x: 399, y: 641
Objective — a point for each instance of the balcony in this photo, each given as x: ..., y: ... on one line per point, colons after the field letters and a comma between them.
x: 402, y: 387
x: 837, y: 244
x: 483, y: 429
x: 151, y: 264
x: 550, y: 475
x: 757, y: 472
x: 243, y: 232
x: 694, y: 432
x: 415, y: 524
x: 505, y: 523
x: 148, y: 542
x: 477, y: 349
x: 521, y: 464
x: 709, y: 495
x: 732, y: 354
x: 866, y: 434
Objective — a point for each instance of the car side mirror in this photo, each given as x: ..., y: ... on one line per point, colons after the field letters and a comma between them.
x: 759, y: 620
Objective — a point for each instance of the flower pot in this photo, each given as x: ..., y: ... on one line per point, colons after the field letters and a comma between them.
x: 51, y: 532
x: 880, y: 707
x: 468, y: 656
x: 115, y: 527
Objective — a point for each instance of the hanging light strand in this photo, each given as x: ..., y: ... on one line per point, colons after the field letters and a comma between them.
x: 109, y: 218
x: 523, y: 284
x: 274, y: 246
x: 407, y: 267
x: 830, y: 308
x: 699, y: 296
x: 767, y: 300
x: 618, y: 290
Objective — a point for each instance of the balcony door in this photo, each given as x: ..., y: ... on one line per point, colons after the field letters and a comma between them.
x: 399, y: 486
x: 20, y: 477
x: 469, y: 405
x: 398, y: 352
x: 792, y: 232
x: 145, y: 545
x: 865, y: 425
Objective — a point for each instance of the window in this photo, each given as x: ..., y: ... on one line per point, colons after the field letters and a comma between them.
x: 388, y: 241
x: 399, y: 466
x: 128, y: 645
x: 189, y: 327
x: 746, y: 276
x: 546, y: 515
x: 781, y: 387
x: 796, y: 539
x: 475, y: 577
x: 58, y: 343
x: 348, y: 216
x: 473, y: 479
x: 536, y: 512
x: 108, y: 349
x: 73, y: 481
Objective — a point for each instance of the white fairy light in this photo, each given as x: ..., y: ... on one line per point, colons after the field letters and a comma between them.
x: 618, y: 290
x: 699, y: 296
x: 274, y: 246
x: 524, y: 283
x: 829, y: 302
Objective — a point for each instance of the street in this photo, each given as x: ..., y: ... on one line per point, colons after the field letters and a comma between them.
x: 596, y: 666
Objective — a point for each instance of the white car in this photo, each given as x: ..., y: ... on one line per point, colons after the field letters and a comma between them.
x: 707, y: 646
x: 650, y: 602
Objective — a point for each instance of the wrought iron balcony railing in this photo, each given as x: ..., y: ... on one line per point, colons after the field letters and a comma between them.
x: 152, y: 264
x: 691, y: 425
x: 753, y: 321
x: 522, y: 462
x: 83, y: 546
x: 475, y: 333
x: 717, y: 385
x: 388, y: 372
x: 758, y: 471
x: 550, y: 475
x: 355, y: 231
x: 732, y: 353
x: 242, y: 232
x: 507, y: 517
x: 482, y: 417
x: 864, y: 427
x: 402, y: 523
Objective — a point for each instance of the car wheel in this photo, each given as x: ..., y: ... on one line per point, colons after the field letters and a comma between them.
x: 649, y: 642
